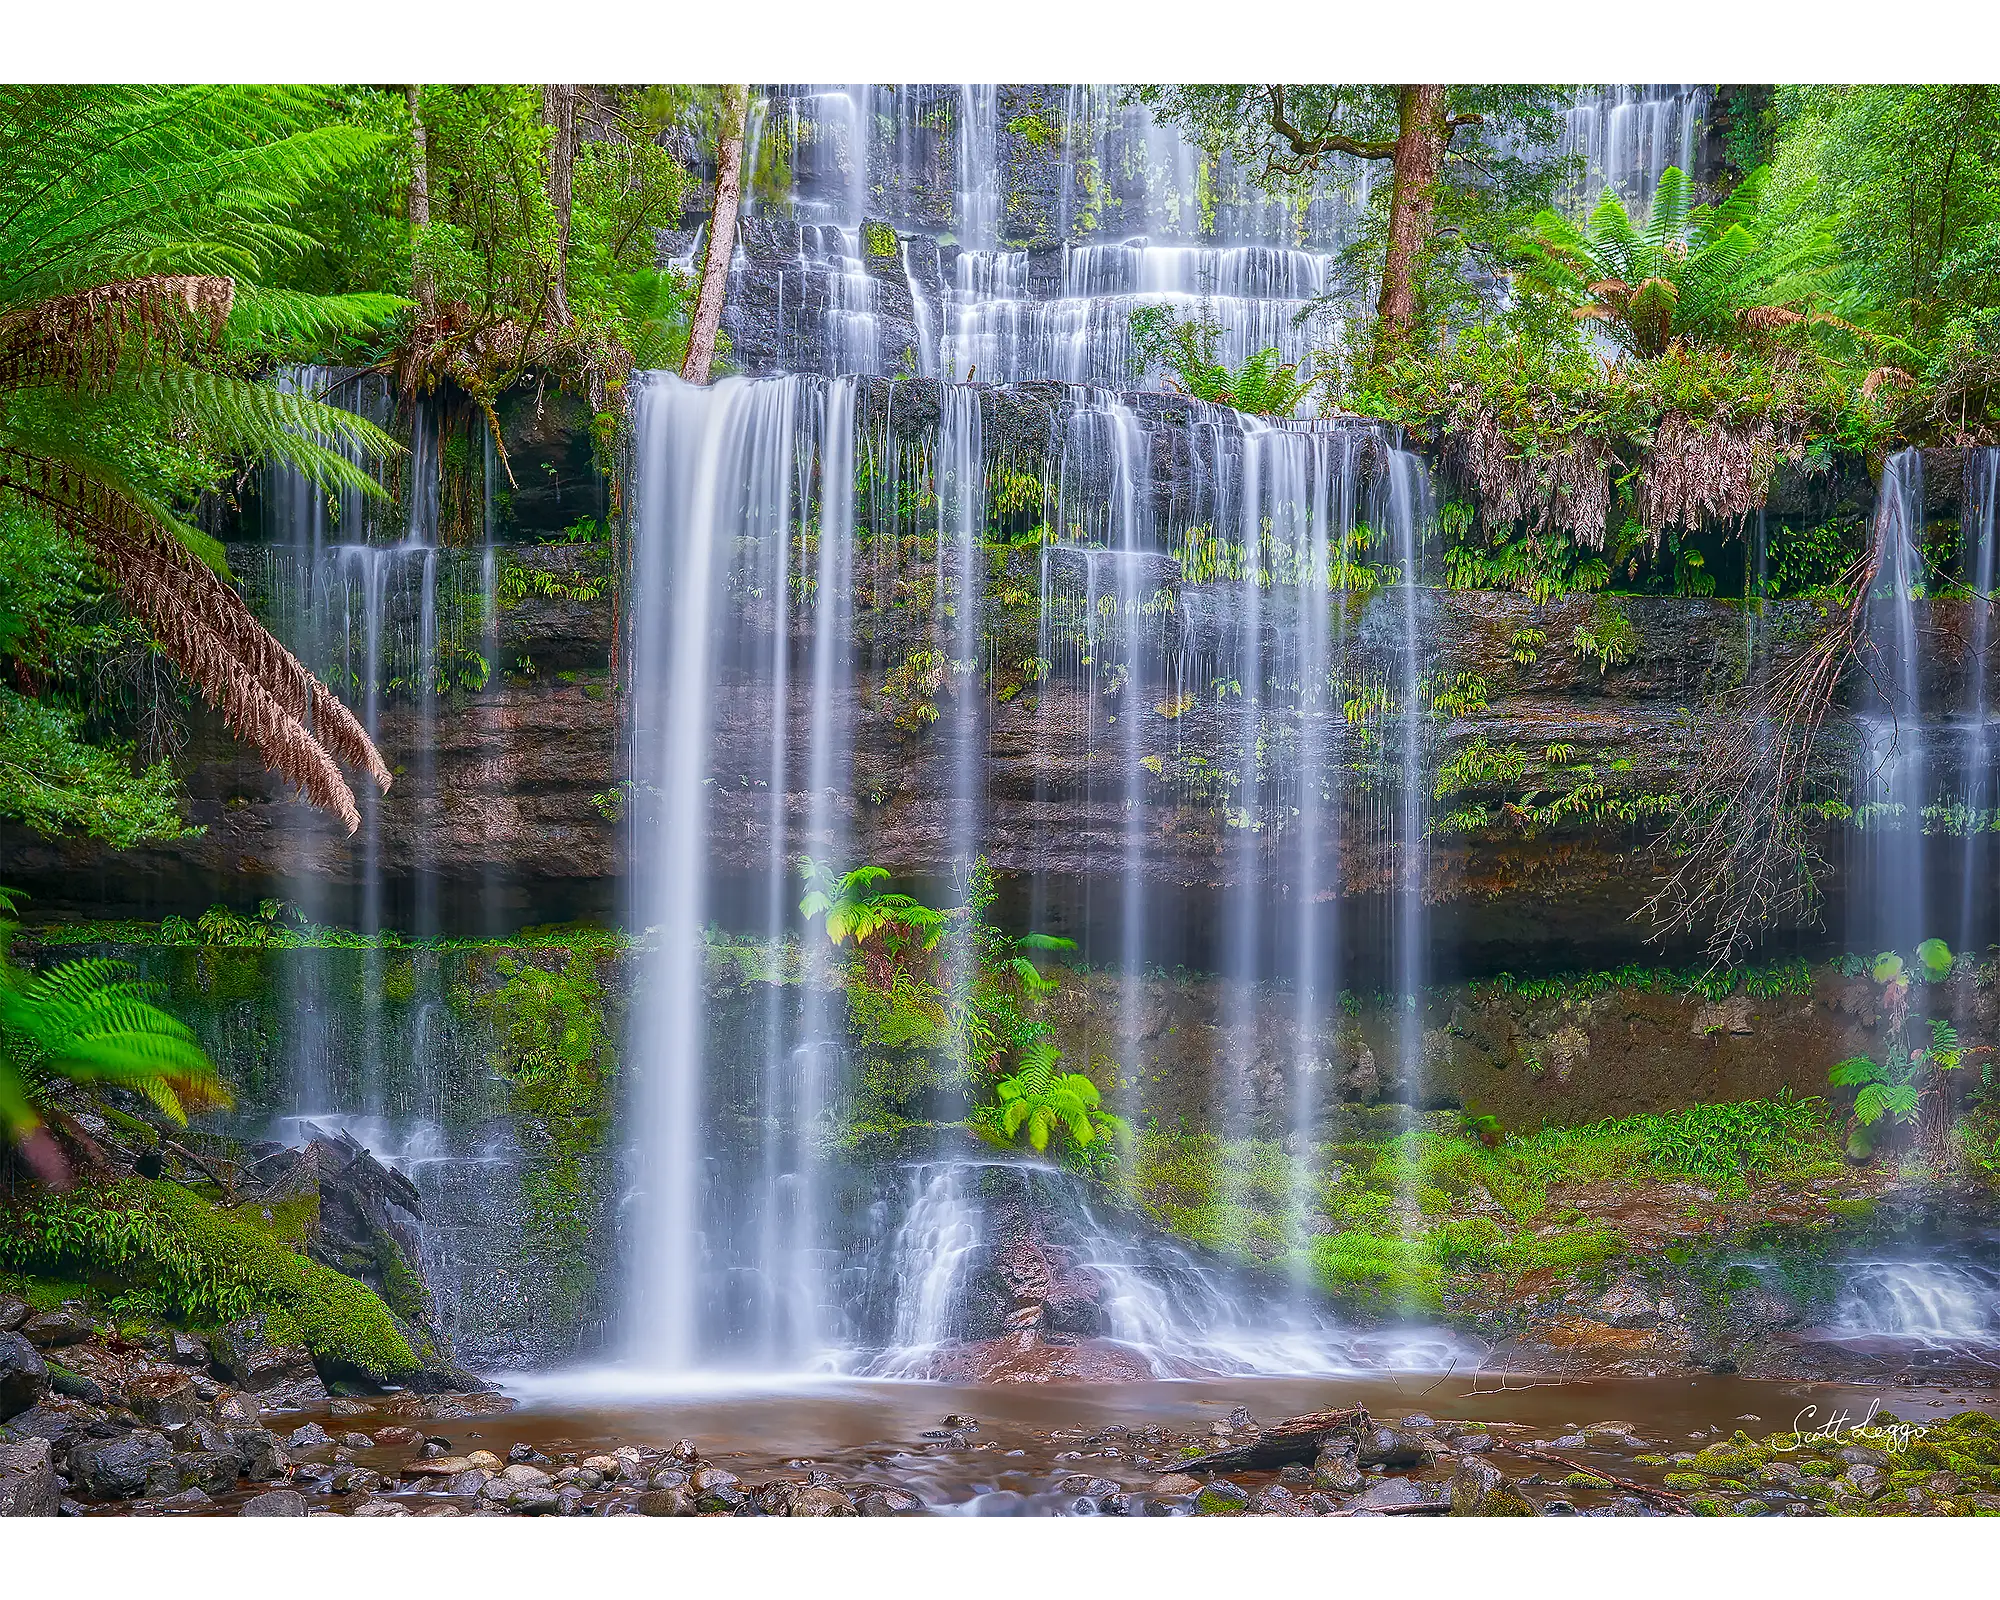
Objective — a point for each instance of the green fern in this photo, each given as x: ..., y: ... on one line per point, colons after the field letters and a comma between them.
x: 92, y: 1022
x: 1693, y: 274
x: 1043, y: 1100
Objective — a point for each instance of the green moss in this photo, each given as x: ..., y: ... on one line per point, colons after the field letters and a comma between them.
x: 879, y: 239
x: 205, y: 1266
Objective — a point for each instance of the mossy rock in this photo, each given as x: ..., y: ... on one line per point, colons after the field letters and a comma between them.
x: 205, y: 1266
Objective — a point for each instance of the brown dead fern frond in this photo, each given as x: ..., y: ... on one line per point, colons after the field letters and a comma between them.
x: 266, y: 695
x: 1696, y: 472
x: 75, y: 341
x: 1567, y: 489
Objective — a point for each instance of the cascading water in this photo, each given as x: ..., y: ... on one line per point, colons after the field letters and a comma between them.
x: 1626, y: 135
x: 1887, y: 909
x: 1979, y: 806
x: 754, y: 1241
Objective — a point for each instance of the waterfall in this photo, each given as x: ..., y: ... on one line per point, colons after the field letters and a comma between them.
x: 1887, y: 909
x: 717, y: 470
x: 1927, y: 1302
x: 1980, y: 806
x: 1625, y: 135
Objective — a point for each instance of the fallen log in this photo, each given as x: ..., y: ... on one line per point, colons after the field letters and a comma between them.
x: 1295, y: 1439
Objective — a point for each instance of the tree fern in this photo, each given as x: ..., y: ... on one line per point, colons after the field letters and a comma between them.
x: 135, y: 222
x: 1692, y: 273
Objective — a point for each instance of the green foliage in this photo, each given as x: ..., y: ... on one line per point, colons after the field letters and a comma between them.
x: 879, y: 239
x: 89, y: 1022
x: 57, y: 781
x: 1608, y: 638
x: 892, y: 933
x: 1044, y: 1101
x: 1263, y: 386
x: 556, y: 1055
x: 204, y: 1266
x: 1691, y: 274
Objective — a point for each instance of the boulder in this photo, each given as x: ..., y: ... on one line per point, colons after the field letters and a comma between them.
x: 308, y: 1436
x: 275, y: 1503
x: 262, y: 1457
x: 1384, y: 1493
x: 24, y: 1376
x: 13, y: 1312
x: 28, y: 1485
x: 48, y: 1330
x: 211, y: 1470
x: 237, y: 1410
x: 139, y: 1463
x: 380, y: 1508
x: 1175, y: 1486
x: 1222, y: 1499
x: 164, y: 1399
x: 1480, y: 1489
x: 245, y: 1354
x: 75, y: 1386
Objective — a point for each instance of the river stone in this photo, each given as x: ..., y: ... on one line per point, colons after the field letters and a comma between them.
x: 275, y: 1503
x: 123, y: 1469
x: 603, y: 1466
x: 815, y: 1501
x: 165, y: 1399
x: 706, y: 1479
x: 308, y: 1436
x: 1863, y: 1479
x: 356, y: 1480
x: 471, y: 1481
x: 888, y: 1502
x: 13, y: 1312
x: 380, y: 1508
x: 1222, y: 1498
x: 484, y: 1458
x: 1275, y: 1500
x: 49, y: 1330
x: 665, y: 1478
x: 24, y: 1376
x: 1480, y: 1489
x: 524, y: 1476
x: 666, y: 1503
x: 28, y: 1486
x: 1391, y: 1447
x: 1083, y: 1483
x: 357, y: 1441
x: 397, y: 1437
x: 1175, y: 1486
x: 1864, y: 1454
x: 1392, y: 1492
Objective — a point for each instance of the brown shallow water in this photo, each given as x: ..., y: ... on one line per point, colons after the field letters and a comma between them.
x: 1029, y: 1436
x: 1007, y: 1447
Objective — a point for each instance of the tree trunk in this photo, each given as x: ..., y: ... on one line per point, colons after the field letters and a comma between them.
x: 721, y: 235
x: 559, y: 112
x: 420, y: 197
x: 1421, y: 135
